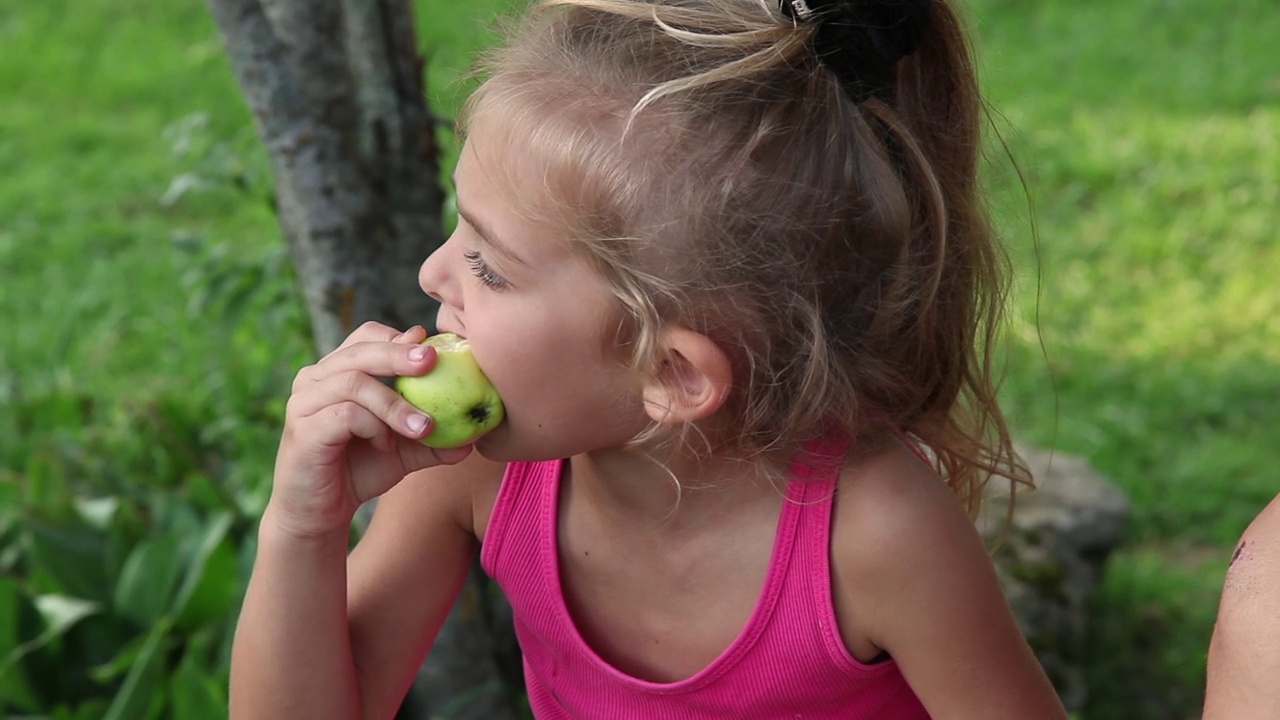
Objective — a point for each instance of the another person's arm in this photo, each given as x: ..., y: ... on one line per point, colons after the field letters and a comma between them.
x: 1244, y: 654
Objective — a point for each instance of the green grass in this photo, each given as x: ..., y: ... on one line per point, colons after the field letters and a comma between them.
x: 149, y: 325
x: 1149, y: 133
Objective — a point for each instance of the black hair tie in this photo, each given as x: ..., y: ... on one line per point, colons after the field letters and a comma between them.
x: 861, y: 41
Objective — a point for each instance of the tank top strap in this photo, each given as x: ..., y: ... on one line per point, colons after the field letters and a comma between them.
x: 525, y: 499
x: 812, y: 493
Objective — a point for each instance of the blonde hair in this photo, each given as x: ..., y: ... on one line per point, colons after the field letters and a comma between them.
x: 719, y: 178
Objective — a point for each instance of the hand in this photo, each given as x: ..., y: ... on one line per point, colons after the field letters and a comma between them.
x: 347, y: 436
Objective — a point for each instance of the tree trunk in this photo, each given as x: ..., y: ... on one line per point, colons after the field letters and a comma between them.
x: 336, y: 92
x: 355, y: 163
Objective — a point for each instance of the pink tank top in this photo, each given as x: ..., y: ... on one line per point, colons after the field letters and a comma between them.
x: 789, y: 661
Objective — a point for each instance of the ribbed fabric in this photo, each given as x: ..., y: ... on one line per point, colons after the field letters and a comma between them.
x: 789, y: 661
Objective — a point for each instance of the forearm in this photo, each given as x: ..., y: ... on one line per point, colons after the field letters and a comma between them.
x: 292, y: 654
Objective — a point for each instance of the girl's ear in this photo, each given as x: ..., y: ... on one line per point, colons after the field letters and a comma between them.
x: 693, y: 381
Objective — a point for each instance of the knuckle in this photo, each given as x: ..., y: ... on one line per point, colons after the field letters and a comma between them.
x: 303, y: 377
x: 346, y: 413
x: 372, y: 329
x: 349, y: 383
x: 291, y: 409
x: 393, y: 404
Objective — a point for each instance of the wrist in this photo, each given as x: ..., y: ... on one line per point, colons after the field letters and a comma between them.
x: 279, y: 524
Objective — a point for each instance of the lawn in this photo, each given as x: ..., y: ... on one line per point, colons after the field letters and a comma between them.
x: 150, y: 327
x: 1149, y: 339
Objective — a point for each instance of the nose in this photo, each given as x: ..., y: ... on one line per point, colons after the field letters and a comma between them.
x: 436, y: 280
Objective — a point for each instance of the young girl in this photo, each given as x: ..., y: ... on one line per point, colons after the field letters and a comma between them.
x: 726, y: 263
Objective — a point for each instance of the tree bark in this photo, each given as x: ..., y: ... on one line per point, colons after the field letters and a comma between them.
x: 336, y: 92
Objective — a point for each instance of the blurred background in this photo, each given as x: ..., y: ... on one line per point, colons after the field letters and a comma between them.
x: 149, y: 325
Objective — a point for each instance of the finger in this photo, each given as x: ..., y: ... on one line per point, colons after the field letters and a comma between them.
x: 359, y: 388
x: 377, y: 358
x: 412, y: 336
x: 416, y: 456
x: 337, y: 425
x: 369, y: 331
x: 410, y: 457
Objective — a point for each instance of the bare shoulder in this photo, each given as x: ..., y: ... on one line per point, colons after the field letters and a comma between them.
x: 893, y: 509
x: 890, y: 510
x: 912, y: 577
x: 1244, y: 654
x: 1260, y: 543
x: 1252, y: 585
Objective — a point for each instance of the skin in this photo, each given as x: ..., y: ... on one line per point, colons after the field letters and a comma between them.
x: 1244, y: 654
x: 658, y: 588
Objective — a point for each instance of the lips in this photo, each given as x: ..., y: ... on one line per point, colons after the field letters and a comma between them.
x: 449, y: 324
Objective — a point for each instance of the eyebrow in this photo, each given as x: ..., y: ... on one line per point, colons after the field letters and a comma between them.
x: 484, y: 231
x: 488, y: 236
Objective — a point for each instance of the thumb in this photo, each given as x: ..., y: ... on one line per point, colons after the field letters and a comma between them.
x: 416, y: 456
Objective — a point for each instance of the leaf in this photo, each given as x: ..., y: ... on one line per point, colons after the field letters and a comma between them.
x: 145, y: 589
x: 180, y: 186
x: 10, y: 499
x: 60, y: 613
x: 87, y: 710
x: 196, y: 696
x: 97, y: 512
x: 142, y: 684
x: 198, y: 575
x: 216, y: 592
x: 69, y: 559
x: 125, y: 658
x: 15, y: 613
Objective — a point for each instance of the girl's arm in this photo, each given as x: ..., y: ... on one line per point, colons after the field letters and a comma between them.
x: 405, y: 574
x: 919, y: 584
x: 1244, y: 655
x: 348, y: 438
x: 324, y: 635
x: 291, y: 656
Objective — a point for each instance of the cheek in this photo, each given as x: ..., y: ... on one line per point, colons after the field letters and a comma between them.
x: 537, y: 370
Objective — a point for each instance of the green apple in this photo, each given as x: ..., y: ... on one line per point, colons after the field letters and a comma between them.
x: 462, y: 403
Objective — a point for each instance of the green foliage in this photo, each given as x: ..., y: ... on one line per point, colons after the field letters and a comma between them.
x: 127, y: 523
x: 153, y: 326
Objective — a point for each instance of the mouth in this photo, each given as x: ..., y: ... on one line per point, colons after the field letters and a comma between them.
x: 449, y: 326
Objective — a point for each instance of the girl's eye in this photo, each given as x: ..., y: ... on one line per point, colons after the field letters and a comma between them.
x: 481, y: 270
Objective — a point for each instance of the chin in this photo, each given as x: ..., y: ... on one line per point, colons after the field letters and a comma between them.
x: 495, y: 444
x: 505, y: 444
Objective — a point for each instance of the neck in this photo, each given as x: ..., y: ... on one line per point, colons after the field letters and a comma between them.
x: 672, y: 491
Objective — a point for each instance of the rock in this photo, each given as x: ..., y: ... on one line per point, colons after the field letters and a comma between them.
x: 1052, y: 557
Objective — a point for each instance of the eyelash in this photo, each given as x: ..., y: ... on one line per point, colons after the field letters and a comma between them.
x: 483, y: 272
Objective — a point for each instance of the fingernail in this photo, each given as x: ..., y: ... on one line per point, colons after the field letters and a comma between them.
x: 416, y: 423
x: 418, y: 353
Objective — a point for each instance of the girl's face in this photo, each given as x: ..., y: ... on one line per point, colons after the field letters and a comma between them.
x: 537, y: 315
